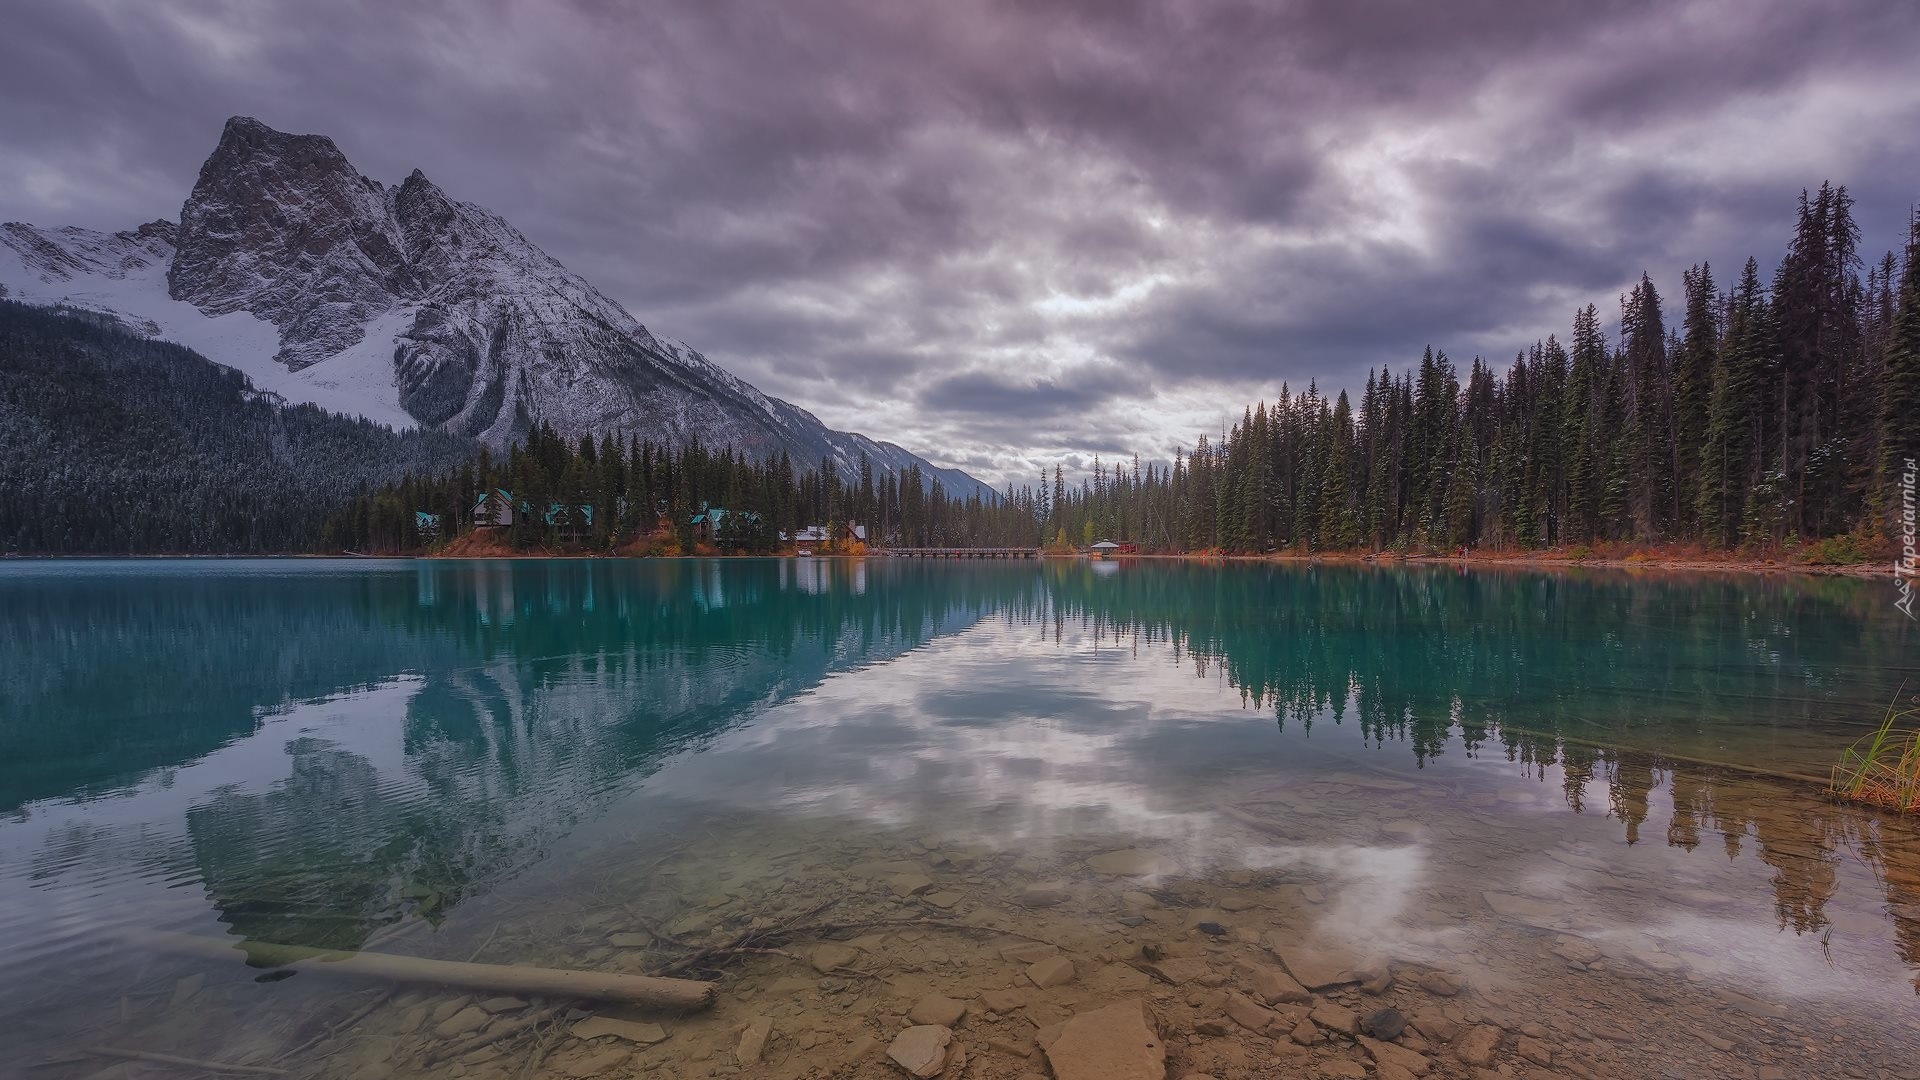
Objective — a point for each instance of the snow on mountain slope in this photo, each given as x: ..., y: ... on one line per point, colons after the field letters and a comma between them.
x: 125, y: 275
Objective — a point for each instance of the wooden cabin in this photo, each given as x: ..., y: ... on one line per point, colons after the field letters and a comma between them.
x: 493, y: 510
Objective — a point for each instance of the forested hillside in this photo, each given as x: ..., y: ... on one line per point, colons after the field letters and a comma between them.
x: 111, y: 442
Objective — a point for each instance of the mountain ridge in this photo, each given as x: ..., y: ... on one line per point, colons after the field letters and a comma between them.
x: 409, y: 307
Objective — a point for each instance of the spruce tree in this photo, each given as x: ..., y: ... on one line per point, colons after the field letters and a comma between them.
x: 1900, y: 387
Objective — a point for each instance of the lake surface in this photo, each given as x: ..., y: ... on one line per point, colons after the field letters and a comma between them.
x: 1590, y: 796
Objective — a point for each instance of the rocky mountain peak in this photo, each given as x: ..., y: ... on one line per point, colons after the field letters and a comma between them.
x: 283, y: 226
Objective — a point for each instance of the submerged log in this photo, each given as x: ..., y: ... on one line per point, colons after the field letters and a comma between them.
x: 504, y: 979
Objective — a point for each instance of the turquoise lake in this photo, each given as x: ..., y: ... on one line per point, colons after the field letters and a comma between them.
x: 513, y: 760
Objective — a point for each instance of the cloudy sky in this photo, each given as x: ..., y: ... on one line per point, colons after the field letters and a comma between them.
x: 1006, y: 233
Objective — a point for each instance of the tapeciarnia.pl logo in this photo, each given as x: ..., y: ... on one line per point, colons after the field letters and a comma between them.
x: 1908, y: 565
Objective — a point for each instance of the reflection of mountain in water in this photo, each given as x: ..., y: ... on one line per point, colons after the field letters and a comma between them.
x: 541, y: 690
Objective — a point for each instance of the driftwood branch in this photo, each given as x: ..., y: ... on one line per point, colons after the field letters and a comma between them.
x: 498, y: 978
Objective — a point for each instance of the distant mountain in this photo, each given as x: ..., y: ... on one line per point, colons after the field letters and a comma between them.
x: 113, y: 443
x: 406, y: 307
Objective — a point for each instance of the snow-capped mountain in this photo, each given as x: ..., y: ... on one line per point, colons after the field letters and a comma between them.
x: 407, y: 307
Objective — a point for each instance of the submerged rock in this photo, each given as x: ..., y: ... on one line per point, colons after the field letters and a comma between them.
x: 1275, y: 987
x: 921, y: 1050
x: 1385, y: 1024
x: 1053, y: 971
x: 1523, y: 909
x: 753, y: 1041
x: 630, y: 1030
x: 937, y: 1011
x: 1245, y: 1012
x: 1119, y: 1042
x: 828, y: 958
x: 1476, y: 1047
x: 1314, y: 969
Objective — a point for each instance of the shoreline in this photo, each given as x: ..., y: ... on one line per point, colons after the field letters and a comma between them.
x: 1542, y: 560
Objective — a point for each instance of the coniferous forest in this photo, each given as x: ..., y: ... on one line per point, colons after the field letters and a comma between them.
x: 1741, y: 413
x: 112, y: 443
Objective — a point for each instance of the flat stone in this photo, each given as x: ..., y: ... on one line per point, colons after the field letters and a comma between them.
x: 753, y: 1041
x: 1441, y: 984
x: 1534, y: 1050
x: 1524, y: 909
x: 936, y: 1011
x: 630, y: 940
x: 921, y: 1050
x: 1030, y: 953
x: 1119, y: 1042
x: 1476, y: 1047
x: 1132, y: 863
x: 595, y: 1064
x: 630, y: 1030
x: 1576, y: 950
x: 1042, y: 895
x: 1725, y: 1046
x: 910, y: 884
x: 1249, y: 1014
x: 1434, y: 1025
x: 1342, y: 1069
x: 1752, y: 1006
x: 503, y: 1004
x: 1313, y: 969
x: 828, y: 958
x: 1002, y: 1001
x: 945, y: 899
x: 1335, y: 1018
x: 1053, y: 971
x: 1415, y: 1063
x: 1274, y: 986
x: 465, y: 1022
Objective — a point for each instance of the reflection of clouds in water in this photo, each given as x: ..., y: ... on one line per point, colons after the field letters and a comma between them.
x: 1005, y: 739
x: 1746, y: 956
x: 991, y: 738
x: 1371, y: 895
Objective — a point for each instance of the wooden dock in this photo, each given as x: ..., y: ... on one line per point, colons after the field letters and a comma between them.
x: 963, y: 553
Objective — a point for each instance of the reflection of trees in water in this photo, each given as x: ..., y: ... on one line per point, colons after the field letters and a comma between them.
x: 1423, y: 656
x: 1566, y: 669
x: 552, y: 689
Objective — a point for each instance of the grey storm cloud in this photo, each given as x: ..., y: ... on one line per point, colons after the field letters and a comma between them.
x: 1008, y: 233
